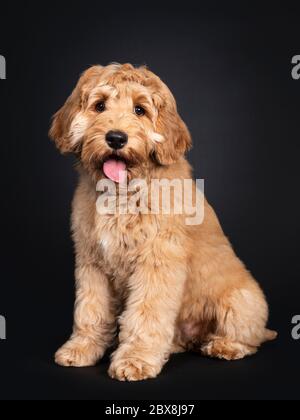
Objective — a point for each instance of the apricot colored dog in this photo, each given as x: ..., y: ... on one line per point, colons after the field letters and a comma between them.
x: 149, y: 282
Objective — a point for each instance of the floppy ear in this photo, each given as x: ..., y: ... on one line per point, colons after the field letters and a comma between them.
x: 176, y: 136
x: 60, y: 130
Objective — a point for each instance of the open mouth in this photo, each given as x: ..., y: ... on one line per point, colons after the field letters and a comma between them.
x: 115, y: 169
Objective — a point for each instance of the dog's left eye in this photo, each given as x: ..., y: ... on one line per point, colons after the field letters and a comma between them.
x: 100, y: 106
x: 139, y: 111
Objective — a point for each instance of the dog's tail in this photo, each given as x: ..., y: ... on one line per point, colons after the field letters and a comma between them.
x: 270, y: 335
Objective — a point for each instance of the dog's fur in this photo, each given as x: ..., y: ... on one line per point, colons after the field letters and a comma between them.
x: 169, y: 287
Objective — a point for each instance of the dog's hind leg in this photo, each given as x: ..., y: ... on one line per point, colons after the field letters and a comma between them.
x: 240, y: 328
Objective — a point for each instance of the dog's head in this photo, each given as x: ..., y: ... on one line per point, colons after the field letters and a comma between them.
x: 120, y: 118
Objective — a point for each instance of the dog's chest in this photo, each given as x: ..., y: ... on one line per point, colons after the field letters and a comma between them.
x: 119, y: 245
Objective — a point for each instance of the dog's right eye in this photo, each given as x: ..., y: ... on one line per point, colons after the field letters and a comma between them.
x: 139, y: 111
x: 100, y: 107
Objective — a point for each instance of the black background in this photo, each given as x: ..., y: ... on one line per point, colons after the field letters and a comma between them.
x: 230, y: 70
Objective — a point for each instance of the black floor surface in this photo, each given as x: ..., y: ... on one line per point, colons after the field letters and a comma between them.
x: 272, y: 374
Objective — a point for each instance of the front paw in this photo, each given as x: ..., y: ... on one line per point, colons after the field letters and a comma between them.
x: 132, y: 370
x: 73, y: 354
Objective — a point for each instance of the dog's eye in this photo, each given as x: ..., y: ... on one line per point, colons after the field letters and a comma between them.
x: 139, y: 111
x: 100, y: 106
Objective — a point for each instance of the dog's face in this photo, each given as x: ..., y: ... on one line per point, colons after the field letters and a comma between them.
x: 120, y: 119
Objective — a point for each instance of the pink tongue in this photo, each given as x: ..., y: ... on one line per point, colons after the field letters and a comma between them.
x: 115, y: 170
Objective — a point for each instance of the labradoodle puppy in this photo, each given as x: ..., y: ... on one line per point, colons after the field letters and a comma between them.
x: 164, y: 285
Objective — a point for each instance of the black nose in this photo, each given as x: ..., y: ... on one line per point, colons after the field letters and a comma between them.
x: 116, y: 139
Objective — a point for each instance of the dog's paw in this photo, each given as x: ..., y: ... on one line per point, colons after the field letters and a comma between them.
x: 74, y: 355
x: 226, y: 350
x: 132, y: 370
